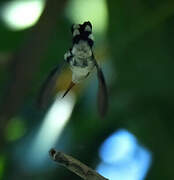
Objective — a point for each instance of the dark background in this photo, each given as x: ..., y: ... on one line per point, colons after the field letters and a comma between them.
x: 136, y: 54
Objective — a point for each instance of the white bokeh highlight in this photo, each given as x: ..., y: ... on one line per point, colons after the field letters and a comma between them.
x: 20, y: 14
x: 95, y: 11
x: 52, y: 127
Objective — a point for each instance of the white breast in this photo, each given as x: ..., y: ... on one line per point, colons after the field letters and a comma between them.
x: 79, y: 73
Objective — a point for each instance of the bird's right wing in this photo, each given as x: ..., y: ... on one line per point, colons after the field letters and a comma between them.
x: 102, y: 98
x: 49, y: 85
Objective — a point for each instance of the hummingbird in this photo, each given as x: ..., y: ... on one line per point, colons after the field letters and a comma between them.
x: 82, y: 62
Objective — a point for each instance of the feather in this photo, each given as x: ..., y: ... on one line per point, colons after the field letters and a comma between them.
x: 48, y: 87
x: 68, y: 89
x: 102, y: 97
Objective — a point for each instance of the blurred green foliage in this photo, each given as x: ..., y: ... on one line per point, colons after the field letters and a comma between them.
x: 2, y: 166
x: 15, y: 129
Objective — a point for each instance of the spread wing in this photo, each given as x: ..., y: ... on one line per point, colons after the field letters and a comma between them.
x: 102, y: 98
x: 49, y: 85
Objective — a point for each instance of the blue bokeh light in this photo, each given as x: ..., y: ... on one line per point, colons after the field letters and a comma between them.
x: 123, y: 158
x: 118, y: 146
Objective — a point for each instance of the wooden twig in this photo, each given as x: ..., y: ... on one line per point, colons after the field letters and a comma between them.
x: 75, y: 166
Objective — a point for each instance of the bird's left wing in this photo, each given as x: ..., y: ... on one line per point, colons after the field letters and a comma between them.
x: 49, y: 85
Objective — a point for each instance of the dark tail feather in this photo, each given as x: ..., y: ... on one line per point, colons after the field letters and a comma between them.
x: 69, y: 88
